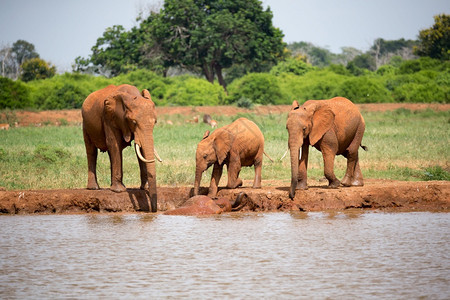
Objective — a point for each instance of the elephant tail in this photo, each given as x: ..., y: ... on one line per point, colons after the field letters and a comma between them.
x: 268, y: 156
x: 365, y: 148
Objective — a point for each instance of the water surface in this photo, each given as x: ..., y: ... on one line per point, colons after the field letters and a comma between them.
x: 270, y: 255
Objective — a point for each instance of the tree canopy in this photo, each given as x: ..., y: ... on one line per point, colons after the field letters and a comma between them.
x: 216, y: 34
x: 12, y: 57
x: 203, y: 37
x: 36, y: 68
x: 435, y: 41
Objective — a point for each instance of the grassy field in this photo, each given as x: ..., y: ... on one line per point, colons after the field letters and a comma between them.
x: 403, y: 145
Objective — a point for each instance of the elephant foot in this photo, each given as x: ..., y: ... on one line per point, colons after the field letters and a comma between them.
x: 346, y: 181
x: 334, y: 184
x: 302, y: 185
x: 256, y: 183
x: 357, y: 182
x: 236, y: 185
x: 239, y: 182
x: 93, y: 187
x: 118, y: 188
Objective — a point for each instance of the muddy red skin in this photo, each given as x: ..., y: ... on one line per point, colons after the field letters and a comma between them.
x: 204, y: 205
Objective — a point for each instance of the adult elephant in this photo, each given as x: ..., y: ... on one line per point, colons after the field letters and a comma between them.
x: 236, y: 145
x: 334, y: 127
x: 112, y: 118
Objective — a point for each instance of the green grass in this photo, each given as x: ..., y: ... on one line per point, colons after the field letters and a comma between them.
x: 403, y: 145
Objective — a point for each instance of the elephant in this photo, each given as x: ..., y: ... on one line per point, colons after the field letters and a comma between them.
x: 112, y: 118
x: 334, y: 127
x: 235, y: 145
x: 204, y: 205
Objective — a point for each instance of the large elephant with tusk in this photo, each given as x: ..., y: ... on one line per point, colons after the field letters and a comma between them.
x: 112, y: 118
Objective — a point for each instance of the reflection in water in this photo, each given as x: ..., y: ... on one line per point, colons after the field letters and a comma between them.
x: 281, y: 255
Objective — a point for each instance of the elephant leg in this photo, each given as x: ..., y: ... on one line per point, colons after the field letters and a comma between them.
x: 258, y: 168
x: 328, y: 161
x: 215, y: 178
x: 233, y: 168
x: 92, y: 152
x: 353, y: 175
x: 115, y: 158
x: 302, y: 183
x: 347, y: 180
x: 357, y: 177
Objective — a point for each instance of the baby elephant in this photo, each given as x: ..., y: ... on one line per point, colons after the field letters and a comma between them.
x: 204, y: 205
x: 239, y: 144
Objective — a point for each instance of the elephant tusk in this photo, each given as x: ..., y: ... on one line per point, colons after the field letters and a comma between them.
x: 156, y: 155
x: 284, y: 154
x: 300, y: 153
x: 139, y: 154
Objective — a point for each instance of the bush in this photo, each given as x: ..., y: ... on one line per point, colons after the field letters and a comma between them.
x: 14, y: 94
x: 144, y: 79
x: 295, y: 66
x: 436, y: 173
x: 322, y: 84
x: 428, y: 92
x: 259, y: 88
x: 244, y: 102
x: 67, y: 96
x: 424, y: 86
x: 50, y: 154
x: 386, y: 70
x: 187, y: 90
x: 364, y: 90
x: 65, y: 91
x: 339, y: 69
x: 36, y: 68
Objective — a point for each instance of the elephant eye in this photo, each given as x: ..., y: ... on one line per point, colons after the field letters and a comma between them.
x: 304, y: 128
x: 205, y: 156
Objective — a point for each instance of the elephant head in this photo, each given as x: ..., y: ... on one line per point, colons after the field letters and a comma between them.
x: 212, y: 149
x: 306, y: 125
x: 132, y: 115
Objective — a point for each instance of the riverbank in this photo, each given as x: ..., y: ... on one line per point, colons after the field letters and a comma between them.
x: 380, y: 195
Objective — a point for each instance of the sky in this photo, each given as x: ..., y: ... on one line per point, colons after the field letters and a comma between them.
x: 61, y: 30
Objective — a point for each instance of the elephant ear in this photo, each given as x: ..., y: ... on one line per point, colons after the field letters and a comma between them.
x: 222, y: 145
x: 146, y: 94
x: 295, y: 105
x: 115, y: 114
x: 206, y: 134
x: 322, y: 121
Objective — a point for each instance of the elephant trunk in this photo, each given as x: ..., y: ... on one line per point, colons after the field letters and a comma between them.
x: 198, y: 179
x: 240, y: 202
x: 295, y: 160
x: 150, y: 169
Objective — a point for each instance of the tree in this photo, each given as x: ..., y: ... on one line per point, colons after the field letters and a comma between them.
x: 383, y: 50
x: 36, y: 68
x: 208, y: 36
x: 8, y: 62
x: 23, y: 51
x: 435, y: 41
x: 120, y: 51
x: 113, y: 53
x: 12, y: 57
x: 364, y: 61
